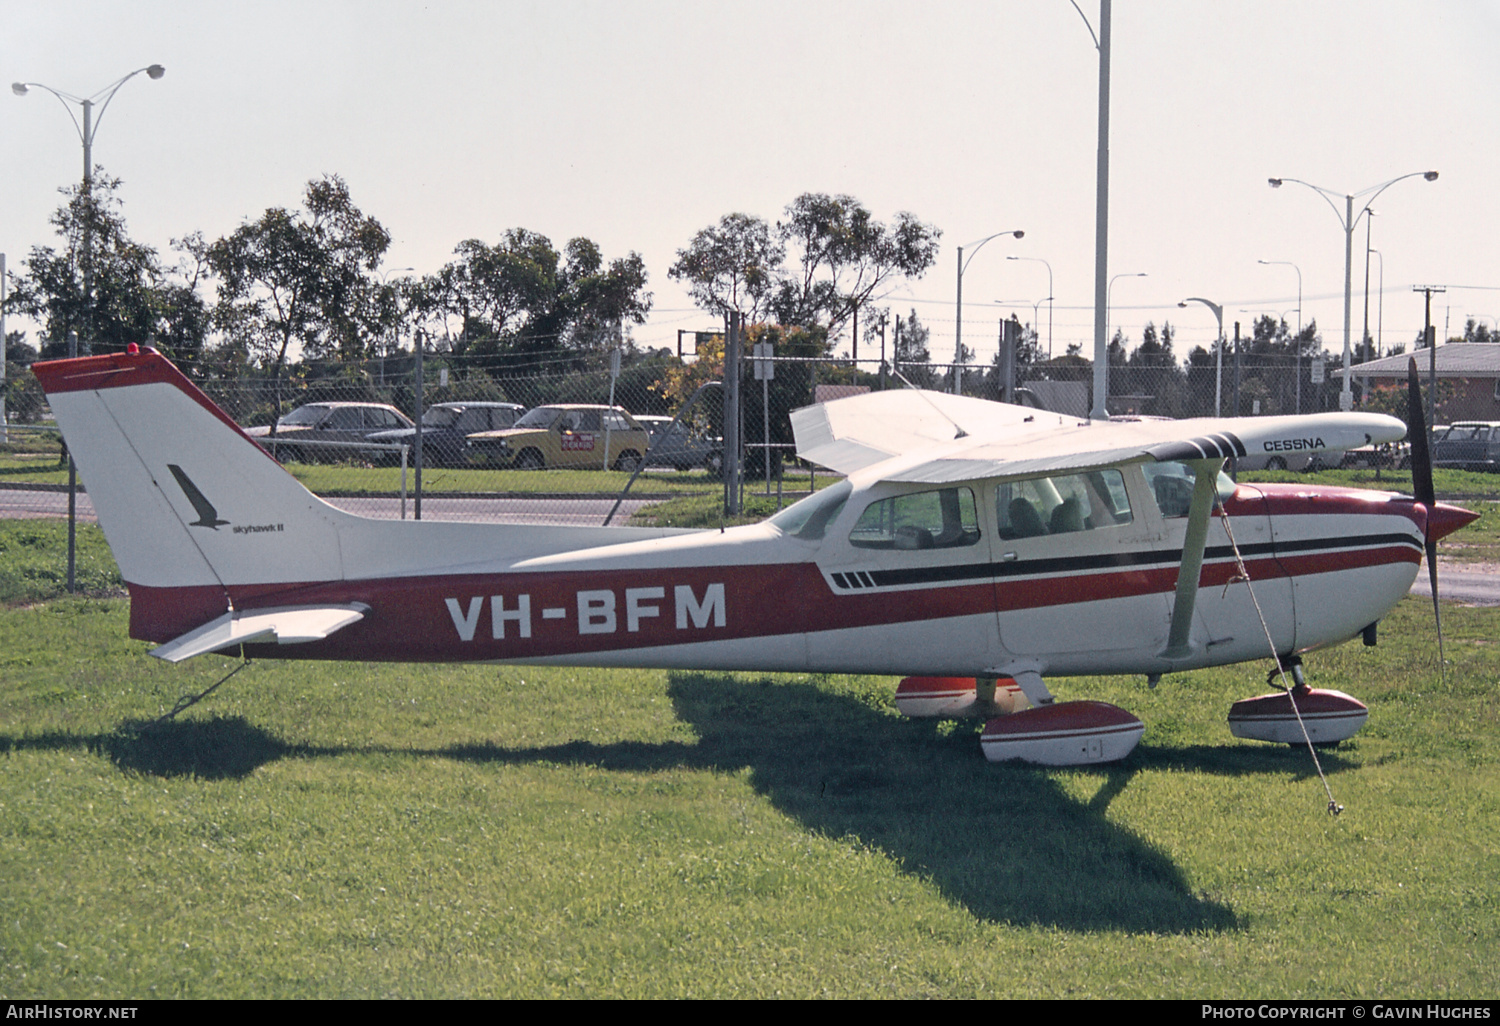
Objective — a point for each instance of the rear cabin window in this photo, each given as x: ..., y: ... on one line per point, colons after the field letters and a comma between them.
x: 1061, y: 505
x: 941, y: 519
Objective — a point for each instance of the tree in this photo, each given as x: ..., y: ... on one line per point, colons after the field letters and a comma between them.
x: 104, y: 285
x: 732, y: 267
x: 301, y: 277
x: 912, y: 359
x: 1154, y: 374
x: 593, y: 300
x: 1476, y: 331
x: 521, y: 298
x: 495, y: 292
x: 846, y: 258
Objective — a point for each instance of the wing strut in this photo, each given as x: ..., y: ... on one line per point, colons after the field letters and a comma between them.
x: 1205, y: 493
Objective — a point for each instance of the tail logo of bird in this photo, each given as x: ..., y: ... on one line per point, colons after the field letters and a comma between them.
x: 207, y: 515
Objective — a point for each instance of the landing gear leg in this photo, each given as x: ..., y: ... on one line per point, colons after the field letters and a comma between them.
x: 1293, y: 668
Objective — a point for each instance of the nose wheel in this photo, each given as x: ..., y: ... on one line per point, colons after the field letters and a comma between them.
x: 1299, y: 715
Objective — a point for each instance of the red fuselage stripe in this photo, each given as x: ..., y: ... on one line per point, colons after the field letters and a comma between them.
x: 535, y: 615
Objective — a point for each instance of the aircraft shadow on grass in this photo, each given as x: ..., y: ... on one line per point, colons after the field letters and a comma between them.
x: 1005, y: 841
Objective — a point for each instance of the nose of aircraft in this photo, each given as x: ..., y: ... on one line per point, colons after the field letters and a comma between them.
x: 1443, y: 519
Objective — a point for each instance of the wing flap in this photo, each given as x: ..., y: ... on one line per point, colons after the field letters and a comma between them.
x: 286, y: 625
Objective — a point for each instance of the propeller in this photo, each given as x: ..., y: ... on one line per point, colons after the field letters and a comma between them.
x: 1422, y: 490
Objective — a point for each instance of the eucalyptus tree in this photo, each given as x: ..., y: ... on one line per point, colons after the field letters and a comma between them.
x: 522, y: 299
x: 300, y: 278
x: 846, y: 259
x: 818, y: 267
x: 126, y: 296
x: 734, y: 266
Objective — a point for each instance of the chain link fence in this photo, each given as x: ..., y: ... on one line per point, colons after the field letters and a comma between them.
x: 577, y: 441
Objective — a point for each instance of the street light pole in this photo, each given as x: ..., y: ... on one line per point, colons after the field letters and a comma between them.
x: 958, y: 331
x: 1380, y: 308
x: 1101, y: 213
x: 1364, y: 340
x: 1218, y: 349
x: 86, y: 133
x: 1294, y: 267
x: 1296, y: 349
x: 1348, y: 222
x: 1050, y: 293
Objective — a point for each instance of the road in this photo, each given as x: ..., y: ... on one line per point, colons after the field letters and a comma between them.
x: 1473, y: 584
x: 581, y: 512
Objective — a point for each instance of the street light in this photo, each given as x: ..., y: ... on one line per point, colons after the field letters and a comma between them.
x: 1110, y: 299
x: 1364, y: 338
x: 1108, y: 304
x: 1050, y: 293
x: 1294, y: 267
x: 1297, y: 349
x: 1218, y: 348
x: 958, y: 344
x: 1348, y: 222
x: 90, y: 127
x: 86, y: 132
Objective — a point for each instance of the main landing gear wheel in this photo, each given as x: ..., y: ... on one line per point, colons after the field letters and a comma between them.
x: 1329, y: 716
x: 1022, y: 720
x: 1063, y: 734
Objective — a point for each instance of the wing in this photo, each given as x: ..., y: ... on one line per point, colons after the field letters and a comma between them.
x: 850, y: 434
x: 945, y: 438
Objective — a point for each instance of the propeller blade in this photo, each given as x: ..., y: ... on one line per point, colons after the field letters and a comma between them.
x: 1423, y: 491
x: 1416, y: 434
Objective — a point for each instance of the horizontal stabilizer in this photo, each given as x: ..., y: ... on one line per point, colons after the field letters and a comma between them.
x: 286, y: 625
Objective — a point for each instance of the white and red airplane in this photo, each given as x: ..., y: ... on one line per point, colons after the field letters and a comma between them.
x: 971, y: 542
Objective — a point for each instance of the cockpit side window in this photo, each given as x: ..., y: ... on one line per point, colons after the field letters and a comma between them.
x: 942, y: 519
x: 1061, y: 505
x: 1172, y: 485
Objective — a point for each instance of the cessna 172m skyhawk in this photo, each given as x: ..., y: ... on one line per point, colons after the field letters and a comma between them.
x: 971, y: 542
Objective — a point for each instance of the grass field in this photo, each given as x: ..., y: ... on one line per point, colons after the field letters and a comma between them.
x: 358, y: 830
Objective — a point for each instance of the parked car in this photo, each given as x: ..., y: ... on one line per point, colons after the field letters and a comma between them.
x: 327, y: 422
x: 564, y: 435
x: 1468, y: 445
x: 1388, y: 455
x: 447, y: 426
x: 679, y: 447
x: 1301, y: 461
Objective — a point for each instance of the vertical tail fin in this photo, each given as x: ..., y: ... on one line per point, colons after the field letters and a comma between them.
x: 186, y: 499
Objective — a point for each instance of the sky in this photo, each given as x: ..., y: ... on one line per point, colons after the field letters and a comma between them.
x: 638, y: 123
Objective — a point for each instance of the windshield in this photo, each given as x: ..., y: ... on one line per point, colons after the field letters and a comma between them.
x: 440, y: 416
x: 809, y: 518
x: 304, y: 416
x: 541, y: 417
